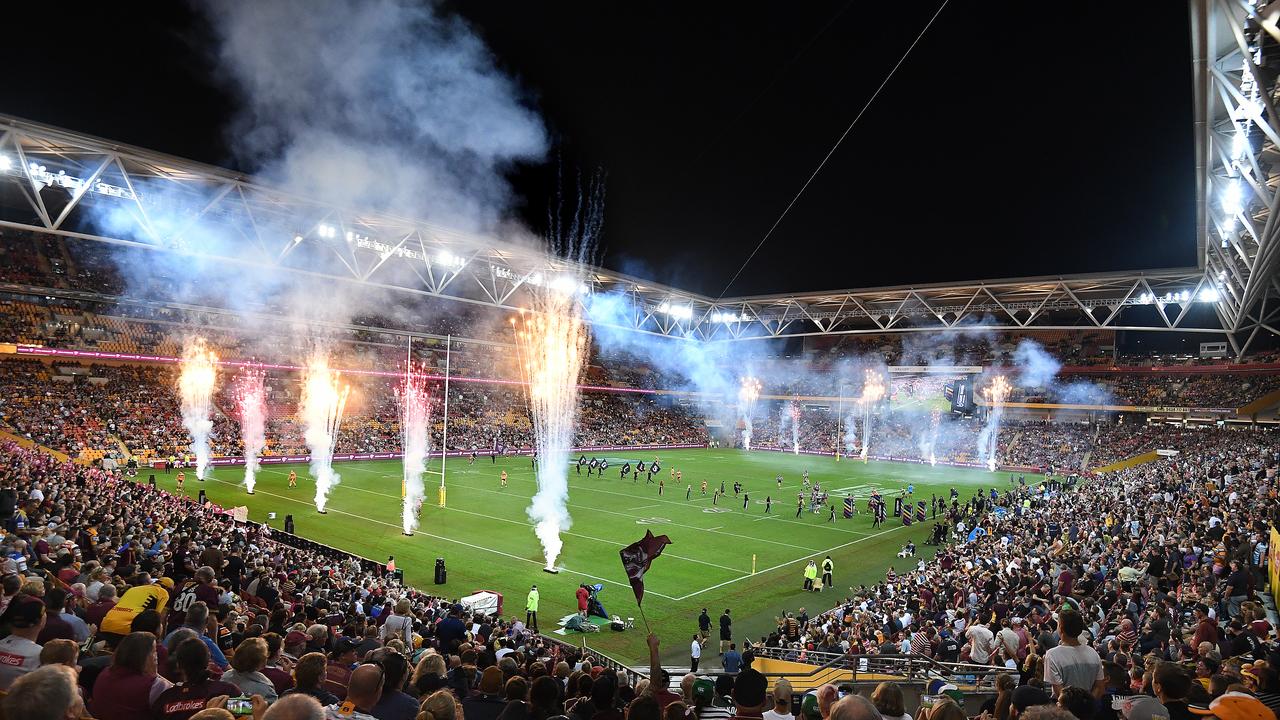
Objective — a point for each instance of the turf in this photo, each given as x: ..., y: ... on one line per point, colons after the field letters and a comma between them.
x: 488, y: 543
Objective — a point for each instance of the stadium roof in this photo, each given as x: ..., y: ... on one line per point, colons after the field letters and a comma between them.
x: 67, y: 183
x: 1236, y: 58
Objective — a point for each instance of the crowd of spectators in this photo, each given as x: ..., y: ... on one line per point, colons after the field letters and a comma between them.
x: 96, y: 408
x: 178, y: 607
x: 1142, y: 582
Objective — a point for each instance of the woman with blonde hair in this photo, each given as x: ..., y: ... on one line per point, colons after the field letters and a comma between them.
x: 430, y: 675
x: 247, y: 663
x: 440, y: 705
x: 399, y: 625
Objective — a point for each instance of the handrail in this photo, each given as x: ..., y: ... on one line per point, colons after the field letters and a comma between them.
x: 911, y: 667
x: 605, y: 661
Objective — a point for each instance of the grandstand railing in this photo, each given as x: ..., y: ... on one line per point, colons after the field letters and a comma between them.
x: 603, y: 660
x: 909, y: 668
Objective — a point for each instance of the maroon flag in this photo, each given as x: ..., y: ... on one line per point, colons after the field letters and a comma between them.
x: 638, y: 556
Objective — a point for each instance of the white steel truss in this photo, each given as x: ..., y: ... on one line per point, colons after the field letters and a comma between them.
x: 61, y: 182
x: 1235, y: 62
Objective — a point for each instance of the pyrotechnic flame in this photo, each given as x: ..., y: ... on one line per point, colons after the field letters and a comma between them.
x: 196, y: 381
x: 415, y: 434
x: 795, y: 428
x: 251, y: 405
x: 996, y: 393
x: 552, y: 342
x: 324, y: 398
x: 872, y: 392
x: 748, y: 393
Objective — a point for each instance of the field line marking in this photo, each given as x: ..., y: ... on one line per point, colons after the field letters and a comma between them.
x: 612, y: 543
x: 793, y: 562
x: 437, y: 537
x: 610, y: 512
x: 642, y: 507
x: 518, y: 474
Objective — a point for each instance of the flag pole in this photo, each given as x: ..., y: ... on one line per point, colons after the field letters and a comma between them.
x: 643, y: 619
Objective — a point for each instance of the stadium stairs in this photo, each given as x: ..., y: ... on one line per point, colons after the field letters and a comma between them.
x: 1266, y: 402
x: 913, y: 673
x: 28, y: 444
x: 1145, y: 457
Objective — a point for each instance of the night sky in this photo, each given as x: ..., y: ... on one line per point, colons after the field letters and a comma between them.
x: 1015, y: 140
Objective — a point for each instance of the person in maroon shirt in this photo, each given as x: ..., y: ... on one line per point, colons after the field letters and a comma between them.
x: 202, y: 588
x: 97, y: 611
x: 189, y: 696
x: 275, y: 671
x: 124, y: 690
x: 337, y: 673
x: 55, y: 627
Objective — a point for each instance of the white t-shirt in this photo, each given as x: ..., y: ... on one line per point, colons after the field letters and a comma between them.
x: 771, y: 714
x: 981, y: 647
x: 18, y: 656
x: 1072, y: 666
x: 695, y: 650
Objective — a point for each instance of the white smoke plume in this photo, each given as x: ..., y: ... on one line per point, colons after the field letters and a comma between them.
x: 251, y: 401
x: 415, y: 434
x: 197, y: 377
x: 324, y: 399
x: 384, y: 105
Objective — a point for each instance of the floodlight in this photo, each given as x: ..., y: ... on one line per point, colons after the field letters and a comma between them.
x: 1232, y: 198
x: 297, y: 239
x: 5, y: 162
x: 1239, y: 142
x: 325, y: 230
x: 1210, y: 295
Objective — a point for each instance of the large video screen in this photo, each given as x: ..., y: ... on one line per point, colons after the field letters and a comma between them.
x: 920, y: 393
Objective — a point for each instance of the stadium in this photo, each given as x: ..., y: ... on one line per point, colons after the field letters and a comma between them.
x: 309, y: 449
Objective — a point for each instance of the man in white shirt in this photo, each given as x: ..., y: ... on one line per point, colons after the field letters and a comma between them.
x: 19, y: 653
x: 1072, y: 664
x: 980, y: 643
x: 695, y: 654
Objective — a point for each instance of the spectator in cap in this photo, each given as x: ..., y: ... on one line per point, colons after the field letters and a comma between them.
x: 1027, y: 696
x: 781, y: 709
x: 704, y: 697
x: 19, y: 652
x: 47, y: 693
x: 1143, y: 707
x: 750, y: 693
x: 1236, y: 706
x: 338, y: 672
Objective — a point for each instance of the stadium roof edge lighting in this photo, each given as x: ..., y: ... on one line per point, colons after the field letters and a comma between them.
x: 1235, y: 51
x: 419, y: 257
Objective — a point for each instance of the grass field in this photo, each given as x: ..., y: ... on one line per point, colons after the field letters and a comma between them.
x: 488, y: 543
